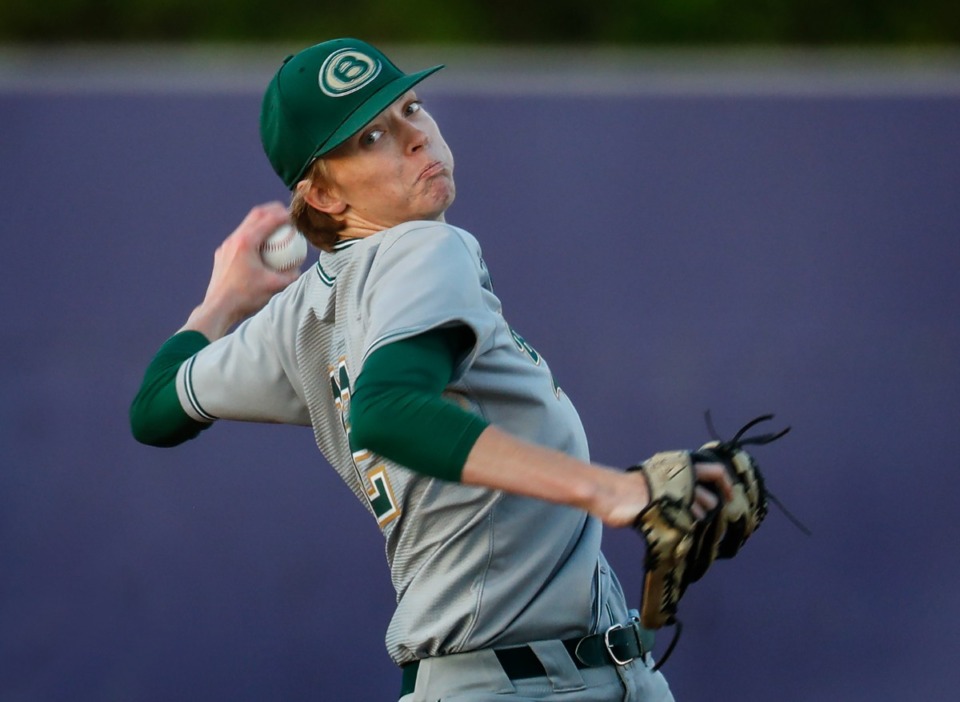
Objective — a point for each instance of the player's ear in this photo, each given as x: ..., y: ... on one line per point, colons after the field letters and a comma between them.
x: 323, y: 198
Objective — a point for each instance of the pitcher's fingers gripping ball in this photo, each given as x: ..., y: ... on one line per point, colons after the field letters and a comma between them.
x: 680, y: 547
x: 284, y: 250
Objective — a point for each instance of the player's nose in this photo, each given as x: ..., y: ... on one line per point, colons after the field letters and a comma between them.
x: 416, y: 138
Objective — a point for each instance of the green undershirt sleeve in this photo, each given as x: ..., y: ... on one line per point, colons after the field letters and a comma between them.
x: 398, y: 412
x: 156, y: 416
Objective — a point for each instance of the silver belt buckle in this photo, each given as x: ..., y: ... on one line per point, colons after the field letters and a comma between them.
x: 606, y: 642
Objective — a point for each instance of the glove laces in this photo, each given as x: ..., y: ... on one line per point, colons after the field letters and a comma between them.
x: 737, y: 441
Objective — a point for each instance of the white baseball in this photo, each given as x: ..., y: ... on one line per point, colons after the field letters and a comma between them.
x: 284, y: 249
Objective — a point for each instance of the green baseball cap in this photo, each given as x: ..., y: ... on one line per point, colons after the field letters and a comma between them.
x: 321, y: 97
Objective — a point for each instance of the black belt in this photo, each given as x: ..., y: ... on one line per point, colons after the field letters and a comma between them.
x: 618, y: 645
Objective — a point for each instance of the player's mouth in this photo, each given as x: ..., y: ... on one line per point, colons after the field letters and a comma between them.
x: 432, y: 169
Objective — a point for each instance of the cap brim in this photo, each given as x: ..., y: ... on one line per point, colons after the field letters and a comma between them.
x: 377, y: 103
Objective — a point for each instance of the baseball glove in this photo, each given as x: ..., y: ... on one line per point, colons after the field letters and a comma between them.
x: 681, y: 548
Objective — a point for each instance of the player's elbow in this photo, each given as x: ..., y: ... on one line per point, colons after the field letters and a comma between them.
x: 146, y: 432
x: 156, y: 440
x: 160, y: 429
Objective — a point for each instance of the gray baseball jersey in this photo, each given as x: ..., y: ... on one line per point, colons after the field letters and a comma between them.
x: 472, y: 567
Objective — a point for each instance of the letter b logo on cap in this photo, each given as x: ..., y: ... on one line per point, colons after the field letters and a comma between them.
x: 346, y: 71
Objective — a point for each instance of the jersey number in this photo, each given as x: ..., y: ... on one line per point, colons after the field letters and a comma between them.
x: 371, y: 472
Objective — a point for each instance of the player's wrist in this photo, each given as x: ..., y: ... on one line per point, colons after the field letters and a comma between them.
x: 619, y: 497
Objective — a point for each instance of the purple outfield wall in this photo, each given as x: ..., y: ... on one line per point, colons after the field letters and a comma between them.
x: 668, y: 251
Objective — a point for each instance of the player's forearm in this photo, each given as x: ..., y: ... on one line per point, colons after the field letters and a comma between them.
x: 500, y: 461
x: 211, y: 319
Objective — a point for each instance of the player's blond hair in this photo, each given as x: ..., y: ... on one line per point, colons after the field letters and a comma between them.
x: 318, y: 227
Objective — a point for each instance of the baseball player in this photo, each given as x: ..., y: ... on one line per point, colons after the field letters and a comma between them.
x: 447, y: 425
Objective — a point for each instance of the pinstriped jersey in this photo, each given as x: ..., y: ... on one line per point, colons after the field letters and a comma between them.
x: 471, y: 567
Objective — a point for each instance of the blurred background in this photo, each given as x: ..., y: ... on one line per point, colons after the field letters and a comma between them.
x: 624, y: 22
x: 744, y: 207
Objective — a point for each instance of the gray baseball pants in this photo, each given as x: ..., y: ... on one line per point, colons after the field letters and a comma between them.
x: 478, y: 677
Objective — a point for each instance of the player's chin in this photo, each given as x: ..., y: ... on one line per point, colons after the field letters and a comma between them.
x: 439, y: 194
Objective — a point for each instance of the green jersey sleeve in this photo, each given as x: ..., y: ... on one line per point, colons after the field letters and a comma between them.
x: 156, y: 415
x: 398, y: 410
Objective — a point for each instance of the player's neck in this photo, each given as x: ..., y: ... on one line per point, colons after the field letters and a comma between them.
x: 360, y: 228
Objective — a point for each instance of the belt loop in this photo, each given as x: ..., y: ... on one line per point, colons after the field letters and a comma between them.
x: 559, y: 666
x: 646, y: 637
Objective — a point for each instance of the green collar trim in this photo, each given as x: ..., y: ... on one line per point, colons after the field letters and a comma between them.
x: 325, y: 277
x: 345, y: 243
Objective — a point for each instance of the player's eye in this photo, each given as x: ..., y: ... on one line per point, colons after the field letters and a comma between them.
x: 413, y: 107
x: 371, y: 137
